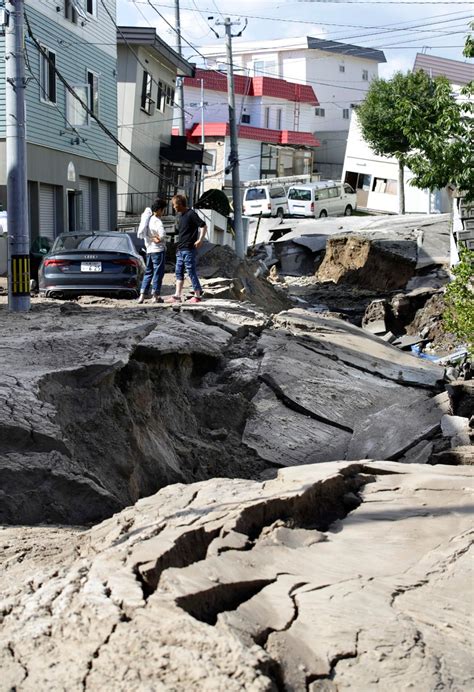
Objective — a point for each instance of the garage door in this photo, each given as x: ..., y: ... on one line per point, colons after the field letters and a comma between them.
x: 104, y: 206
x: 86, y: 216
x: 47, y: 210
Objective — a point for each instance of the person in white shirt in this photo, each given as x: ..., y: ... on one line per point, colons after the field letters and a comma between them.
x: 152, y: 231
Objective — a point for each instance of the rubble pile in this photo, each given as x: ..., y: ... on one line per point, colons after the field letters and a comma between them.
x: 226, y: 276
x: 375, y: 265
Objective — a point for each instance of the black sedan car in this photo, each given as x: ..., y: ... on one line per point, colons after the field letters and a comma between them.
x: 94, y: 263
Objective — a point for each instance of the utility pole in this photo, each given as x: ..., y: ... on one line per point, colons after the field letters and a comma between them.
x: 17, y: 206
x: 179, y: 81
x: 203, y: 139
x: 234, y: 151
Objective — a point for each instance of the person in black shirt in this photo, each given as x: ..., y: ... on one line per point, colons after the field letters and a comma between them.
x: 191, y: 232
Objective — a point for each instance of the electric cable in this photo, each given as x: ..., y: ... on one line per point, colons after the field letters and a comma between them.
x: 93, y: 115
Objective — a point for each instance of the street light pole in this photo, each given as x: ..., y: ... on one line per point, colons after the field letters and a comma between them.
x: 17, y: 191
x: 234, y: 150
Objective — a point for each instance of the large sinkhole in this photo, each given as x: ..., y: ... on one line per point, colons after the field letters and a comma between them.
x: 128, y: 432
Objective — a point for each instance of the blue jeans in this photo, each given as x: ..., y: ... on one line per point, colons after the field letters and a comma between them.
x: 154, y: 273
x: 186, y: 259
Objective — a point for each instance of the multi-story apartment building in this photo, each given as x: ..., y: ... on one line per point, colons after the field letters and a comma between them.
x: 69, y: 49
x: 340, y: 73
x: 274, y: 125
x: 146, y: 79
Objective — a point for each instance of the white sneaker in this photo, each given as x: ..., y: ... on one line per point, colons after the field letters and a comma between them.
x: 141, y: 298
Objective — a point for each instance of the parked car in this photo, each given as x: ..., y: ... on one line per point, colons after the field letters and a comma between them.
x: 94, y: 262
x: 38, y: 250
x: 325, y: 198
x: 268, y: 200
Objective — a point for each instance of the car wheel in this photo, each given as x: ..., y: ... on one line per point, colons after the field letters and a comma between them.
x: 323, y: 214
x: 348, y: 210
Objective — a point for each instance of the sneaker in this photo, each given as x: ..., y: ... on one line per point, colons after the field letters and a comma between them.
x: 173, y: 299
x: 141, y: 299
x: 156, y: 299
x: 194, y: 299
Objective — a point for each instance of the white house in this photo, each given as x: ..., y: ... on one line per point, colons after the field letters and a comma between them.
x: 340, y: 73
x: 274, y: 125
x: 147, y: 69
x: 375, y: 178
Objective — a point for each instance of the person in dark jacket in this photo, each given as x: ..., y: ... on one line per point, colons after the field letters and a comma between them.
x: 191, y: 233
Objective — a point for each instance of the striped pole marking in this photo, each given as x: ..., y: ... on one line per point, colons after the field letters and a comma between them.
x: 20, y: 268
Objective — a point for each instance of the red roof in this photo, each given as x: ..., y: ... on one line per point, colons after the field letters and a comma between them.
x: 260, y: 134
x: 254, y: 86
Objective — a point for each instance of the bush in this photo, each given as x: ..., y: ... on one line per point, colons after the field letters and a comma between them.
x: 458, y: 317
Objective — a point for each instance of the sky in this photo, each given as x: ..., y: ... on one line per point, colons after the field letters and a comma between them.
x: 400, y: 28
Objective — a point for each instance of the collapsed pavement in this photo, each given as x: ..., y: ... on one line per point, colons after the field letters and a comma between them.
x: 285, y: 570
x: 100, y: 407
x: 333, y: 576
x: 376, y: 271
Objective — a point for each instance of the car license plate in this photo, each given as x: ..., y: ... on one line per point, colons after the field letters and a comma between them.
x: 91, y: 266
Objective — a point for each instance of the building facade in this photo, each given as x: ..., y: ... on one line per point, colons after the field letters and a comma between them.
x: 147, y: 69
x: 340, y: 74
x: 70, y: 50
x: 274, y: 120
x: 375, y: 178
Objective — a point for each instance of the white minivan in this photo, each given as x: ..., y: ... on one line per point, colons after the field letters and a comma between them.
x: 326, y: 198
x: 268, y: 200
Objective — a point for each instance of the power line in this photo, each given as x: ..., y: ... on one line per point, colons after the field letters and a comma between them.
x: 102, y: 126
x: 174, y: 103
x: 72, y: 127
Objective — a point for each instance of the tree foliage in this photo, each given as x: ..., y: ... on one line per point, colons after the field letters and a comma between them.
x: 458, y: 317
x: 421, y: 122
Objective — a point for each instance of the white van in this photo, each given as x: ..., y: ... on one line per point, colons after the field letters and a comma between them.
x: 326, y: 198
x: 268, y: 200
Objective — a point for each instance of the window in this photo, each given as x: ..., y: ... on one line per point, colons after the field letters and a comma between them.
x: 320, y: 112
x: 345, y: 113
x: 93, y: 92
x: 146, y: 100
x: 267, y: 117
x: 262, y: 68
x: 321, y: 194
x: 298, y: 194
x: 255, y: 193
x: 70, y: 12
x: 48, y: 75
x: 212, y: 166
x: 160, y: 101
x: 348, y: 189
x: 334, y: 192
x: 75, y: 113
x: 277, y: 192
x: 73, y: 9
x: 91, y: 7
x: 245, y: 119
x: 84, y: 241
x: 365, y: 75
x: 342, y: 68
x: 278, y: 119
x: 169, y: 95
x: 385, y: 186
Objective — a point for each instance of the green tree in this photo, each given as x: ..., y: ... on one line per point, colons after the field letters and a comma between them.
x: 403, y: 116
x: 442, y: 151
x: 458, y: 317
